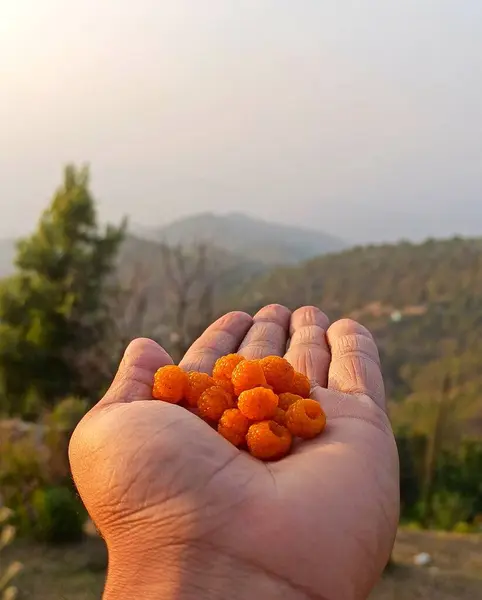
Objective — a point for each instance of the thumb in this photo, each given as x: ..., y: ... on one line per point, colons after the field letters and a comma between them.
x: 135, y: 376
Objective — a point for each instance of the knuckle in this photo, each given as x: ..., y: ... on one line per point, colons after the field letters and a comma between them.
x: 309, y: 334
x: 258, y: 349
x: 355, y: 345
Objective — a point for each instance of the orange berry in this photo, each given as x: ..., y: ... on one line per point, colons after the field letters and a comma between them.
x: 287, y: 399
x: 305, y: 418
x: 227, y: 385
x: 224, y: 366
x: 268, y: 440
x: 170, y: 384
x: 213, y: 402
x: 248, y: 375
x: 258, y: 404
x: 280, y: 416
x: 301, y: 385
x: 197, y: 384
x: 278, y: 372
x: 233, y: 426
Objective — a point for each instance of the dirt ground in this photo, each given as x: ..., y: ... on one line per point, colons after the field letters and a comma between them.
x: 77, y: 572
x: 454, y: 574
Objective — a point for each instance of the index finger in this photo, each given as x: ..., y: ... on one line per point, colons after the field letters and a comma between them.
x: 135, y: 376
x: 355, y: 362
x: 222, y: 337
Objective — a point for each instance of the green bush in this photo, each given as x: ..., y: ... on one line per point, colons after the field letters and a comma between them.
x: 67, y: 413
x: 59, y: 515
x: 462, y: 527
x: 413, y: 526
x: 35, y: 477
x: 23, y: 469
x: 448, y: 509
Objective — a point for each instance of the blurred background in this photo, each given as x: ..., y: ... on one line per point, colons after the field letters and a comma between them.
x: 162, y: 163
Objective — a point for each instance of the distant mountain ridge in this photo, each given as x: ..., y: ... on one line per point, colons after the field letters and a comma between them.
x: 254, y: 239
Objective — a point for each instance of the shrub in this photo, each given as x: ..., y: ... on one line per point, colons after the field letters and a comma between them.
x: 59, y: 515
x: 462, y: 527
x: 448, y: 509
x: 35, y: 476
x: 23, y: 469
x: 67, y: 413
x: 414, y: 526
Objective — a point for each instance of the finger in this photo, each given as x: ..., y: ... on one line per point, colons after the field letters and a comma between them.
x: 308, y: 350
x: 135, y: 376
x: 222, y: 337
x: 268, y: 335
x: 355, y: 362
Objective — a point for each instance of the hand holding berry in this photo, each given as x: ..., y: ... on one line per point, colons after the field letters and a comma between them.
x: 186, y: 514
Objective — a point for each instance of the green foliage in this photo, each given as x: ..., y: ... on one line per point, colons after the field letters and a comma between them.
x: 423, y: 303
x: 34, y: 461
x: 448, y: 509
x: 462, y: 527
x: 58, y: 515
x: 53, y: 311
x: 67, y: 413
x: 24, y: 466
x: 413, y: 526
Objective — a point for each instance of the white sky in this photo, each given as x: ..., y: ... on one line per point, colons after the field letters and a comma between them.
x: 360, y: 118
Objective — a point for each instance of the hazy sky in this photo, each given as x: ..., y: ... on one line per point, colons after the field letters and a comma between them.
x: 360, y: 118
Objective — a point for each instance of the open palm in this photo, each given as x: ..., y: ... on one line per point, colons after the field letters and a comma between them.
x: 171, y: 495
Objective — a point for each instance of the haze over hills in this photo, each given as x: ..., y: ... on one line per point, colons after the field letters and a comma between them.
x: 244, y: 240
x: 254, y: 239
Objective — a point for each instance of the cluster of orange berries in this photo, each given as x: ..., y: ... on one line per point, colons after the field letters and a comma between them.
x: 261, y: 404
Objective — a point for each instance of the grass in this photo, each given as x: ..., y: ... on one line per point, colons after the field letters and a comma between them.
x: 60, y: 573
x: 77, y: 572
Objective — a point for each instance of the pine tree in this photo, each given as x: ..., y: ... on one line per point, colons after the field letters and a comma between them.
x: 54, y: 310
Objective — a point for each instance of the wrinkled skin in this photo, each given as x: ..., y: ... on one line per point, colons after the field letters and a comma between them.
x: 185, y: 514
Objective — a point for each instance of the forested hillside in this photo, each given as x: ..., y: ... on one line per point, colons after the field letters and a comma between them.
x: 423, y: 302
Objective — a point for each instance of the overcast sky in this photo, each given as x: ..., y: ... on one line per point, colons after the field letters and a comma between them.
x: 363, y: 119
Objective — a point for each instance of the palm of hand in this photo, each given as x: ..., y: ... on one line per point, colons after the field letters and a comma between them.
x: 320, y: 521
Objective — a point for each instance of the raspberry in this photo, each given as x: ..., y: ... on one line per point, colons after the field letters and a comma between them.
x: 287, y: 399
x: 227, y: 385
x: 234, y: 426
x: 305, y: 418
x: 248, y: 375
x: 258, y: 404
x: 224, y: 367
x: 197, y: 384
x: 170, y: 384
x: 278, y: 372
x: 268, y: 440
x: 301, y: 385
x: 280, y: 416
x: 213, y: 402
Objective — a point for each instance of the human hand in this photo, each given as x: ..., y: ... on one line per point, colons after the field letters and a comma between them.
x: 187, y: 515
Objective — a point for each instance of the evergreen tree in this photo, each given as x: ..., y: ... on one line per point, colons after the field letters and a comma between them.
x: 54, y: 310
